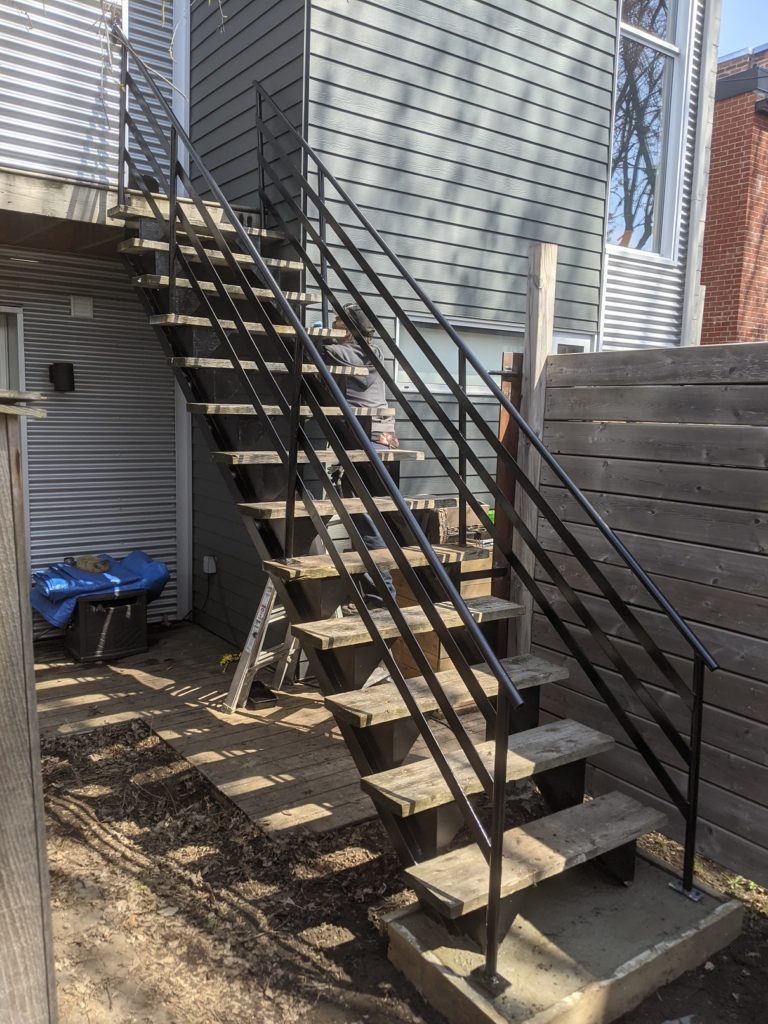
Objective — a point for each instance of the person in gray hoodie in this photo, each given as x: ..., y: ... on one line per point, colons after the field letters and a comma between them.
x: 365, y: 394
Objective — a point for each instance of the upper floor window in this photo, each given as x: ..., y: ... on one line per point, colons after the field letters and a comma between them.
x: 648, y: 121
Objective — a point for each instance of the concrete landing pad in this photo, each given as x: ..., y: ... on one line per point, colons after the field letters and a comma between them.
x: 582, y: 950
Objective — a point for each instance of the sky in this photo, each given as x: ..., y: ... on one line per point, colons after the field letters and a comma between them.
x: 744, y: 25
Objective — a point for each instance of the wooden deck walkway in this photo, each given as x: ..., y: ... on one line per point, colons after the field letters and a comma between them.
x: 286, y: 766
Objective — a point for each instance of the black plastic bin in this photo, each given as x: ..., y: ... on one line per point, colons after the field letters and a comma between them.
x: 105, y: 628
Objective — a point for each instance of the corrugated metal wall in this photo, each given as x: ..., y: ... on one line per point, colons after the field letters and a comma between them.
x: 467, y: 131
x: 58, y: 92
x: 644, y: 296
x: 150, y: 30
x: 102, y: 470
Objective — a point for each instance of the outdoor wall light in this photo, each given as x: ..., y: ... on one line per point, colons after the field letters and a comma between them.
x: 62, y: 376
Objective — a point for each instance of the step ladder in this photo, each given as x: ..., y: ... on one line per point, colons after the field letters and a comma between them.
x: 285, y: 656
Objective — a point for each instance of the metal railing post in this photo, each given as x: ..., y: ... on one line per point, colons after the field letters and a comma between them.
x: 463, y: 447
x: 260, y: 156
x: 493, y: 916
x: 172, y: 216
x: 293, y: 448
x: 323, y: 257
x: 122, y: 143
x: 697, y: 719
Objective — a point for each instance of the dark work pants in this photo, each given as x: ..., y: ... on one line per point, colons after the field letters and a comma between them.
x: 373, y: 541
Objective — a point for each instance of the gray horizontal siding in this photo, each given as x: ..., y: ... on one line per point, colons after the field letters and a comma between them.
x: 224, y: 603
x: 428, y: 477
x: 466, y: 132
x: 263, y: 41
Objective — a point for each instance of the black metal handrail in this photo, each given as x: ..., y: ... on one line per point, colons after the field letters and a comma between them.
x: 305, y: 348
x: 467, y: 354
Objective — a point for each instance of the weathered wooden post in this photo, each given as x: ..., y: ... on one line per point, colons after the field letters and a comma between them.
x: 539, y: 330
x: 27, y: 981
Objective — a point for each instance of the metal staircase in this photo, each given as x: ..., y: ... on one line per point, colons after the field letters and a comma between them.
x: 228, y: 298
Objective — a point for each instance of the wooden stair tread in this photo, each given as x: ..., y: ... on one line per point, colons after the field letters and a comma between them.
x: 137, y: 245
x: 318, y: 567
x: 233, y: 290
x: 136, y: 207
x: 380, y: 704
x: 325, y: 455
x: 457, y: 882
x: 276, y: 509
x: 419, y: 786
x: 327, y: 634
x: 182, y: 320
x: 206, y: 363
x: 236, y: 409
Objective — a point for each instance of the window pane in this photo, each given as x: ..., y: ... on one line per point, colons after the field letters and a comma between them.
x: 488, y: 346
x: 639, y: 143
x: 655, y: 16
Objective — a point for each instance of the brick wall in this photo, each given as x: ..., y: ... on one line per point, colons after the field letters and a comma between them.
x: 735, y: 263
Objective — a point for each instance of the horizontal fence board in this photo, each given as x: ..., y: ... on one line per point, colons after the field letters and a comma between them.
x: 720, y: 485
x: 744, y: 655
x: 710, y: 364
x: 729, y: 570
x: 721, y: 805
x: 696, y: 602
x: 727, y: 528
x: 679, y: 403
x: 723, y: 730
x: 699, y: 443
x: 725, y: 847
x: 738, y: 694
x: 671, y: 448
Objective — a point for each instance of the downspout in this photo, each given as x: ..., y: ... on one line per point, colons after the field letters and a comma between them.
x: 693, y: 295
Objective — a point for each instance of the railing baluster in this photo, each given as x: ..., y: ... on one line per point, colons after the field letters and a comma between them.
x: 323, y: 257
x: 463, y: 446
x: 122, y: 130
x: 697, y: 717
x: 260, y: 155
x: 172, y: 219
x: 493, y: 915
x: 293, y: 447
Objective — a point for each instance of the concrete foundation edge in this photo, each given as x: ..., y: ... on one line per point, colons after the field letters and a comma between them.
x: 596, y: 1003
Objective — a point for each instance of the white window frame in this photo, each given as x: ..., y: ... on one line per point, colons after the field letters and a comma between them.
x: 585, y: 342
x: 680, y: 49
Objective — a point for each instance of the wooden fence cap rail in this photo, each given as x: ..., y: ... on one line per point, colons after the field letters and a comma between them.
x: 10, y: 403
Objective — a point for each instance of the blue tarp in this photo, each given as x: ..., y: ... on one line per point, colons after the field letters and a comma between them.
x: 57, y: 588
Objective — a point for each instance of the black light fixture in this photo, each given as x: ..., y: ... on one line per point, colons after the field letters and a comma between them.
x: 62, y: 376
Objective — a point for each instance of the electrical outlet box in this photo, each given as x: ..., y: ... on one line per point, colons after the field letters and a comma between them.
x: 209, y: 565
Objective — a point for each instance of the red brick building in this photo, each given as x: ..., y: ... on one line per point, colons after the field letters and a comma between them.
x: 735, y: 263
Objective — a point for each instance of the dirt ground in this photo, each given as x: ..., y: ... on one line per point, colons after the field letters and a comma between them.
x: 170, y: 906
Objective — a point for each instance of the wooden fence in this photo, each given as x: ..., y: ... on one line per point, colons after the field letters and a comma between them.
x: 671, y: 446
x: 27, y: 981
